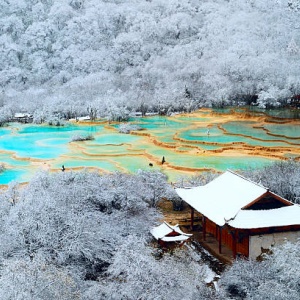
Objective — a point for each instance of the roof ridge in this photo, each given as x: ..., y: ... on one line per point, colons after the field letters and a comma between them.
x: 178, y: 228
x: 282, y: 198
x: 247, y: 179
x: 170, y: 226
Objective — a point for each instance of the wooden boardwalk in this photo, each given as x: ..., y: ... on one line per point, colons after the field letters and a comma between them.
x: 183, y: 218
x: 210, y: 244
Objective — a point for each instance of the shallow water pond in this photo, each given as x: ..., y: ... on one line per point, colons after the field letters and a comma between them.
x: 190, y: 143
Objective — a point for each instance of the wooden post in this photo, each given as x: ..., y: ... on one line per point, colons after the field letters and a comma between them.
x: 192, y: 217
x: 234, y: 240
x: 204, y: 227
x: 220, y: 239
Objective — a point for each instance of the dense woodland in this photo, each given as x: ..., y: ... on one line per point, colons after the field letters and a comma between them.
x: 111, y: 57
x: 82, y: 235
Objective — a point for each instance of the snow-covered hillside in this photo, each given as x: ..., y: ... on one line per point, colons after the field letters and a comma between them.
x: 74, y: 54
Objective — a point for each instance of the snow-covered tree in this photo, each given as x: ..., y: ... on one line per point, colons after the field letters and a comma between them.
x: 36, y: 279
x: 274, y: 278
x: 66, y: 218
x: 281, y: 177
x: 136, y: 273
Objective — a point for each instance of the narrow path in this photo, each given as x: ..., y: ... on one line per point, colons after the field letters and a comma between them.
x: 213, y: 263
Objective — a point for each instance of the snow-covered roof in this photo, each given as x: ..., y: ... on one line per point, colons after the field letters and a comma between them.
x: 283, y: 216
x: 179, y: 238
x: 22, y: 115
x: 223, y: 199
x: 85, y: 118
x: 162, y: 231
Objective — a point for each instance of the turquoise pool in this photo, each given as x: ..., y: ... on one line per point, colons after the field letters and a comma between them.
x: 189, y: 143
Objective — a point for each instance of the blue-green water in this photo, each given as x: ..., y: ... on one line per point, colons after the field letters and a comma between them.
x: 189, y: 143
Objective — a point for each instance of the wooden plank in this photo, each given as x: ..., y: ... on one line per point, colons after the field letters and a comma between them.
x: 204, y: 227
x: 192, y: 217
x: 220, y: 239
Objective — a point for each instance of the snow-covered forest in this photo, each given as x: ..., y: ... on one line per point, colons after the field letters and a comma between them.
x: 114, y: 55
x: 82, y: 235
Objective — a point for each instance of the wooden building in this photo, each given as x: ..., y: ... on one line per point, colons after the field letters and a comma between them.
x: 243, y: 215
x: 295, y: 101
x: 22, y: 118
x: 166, y: 233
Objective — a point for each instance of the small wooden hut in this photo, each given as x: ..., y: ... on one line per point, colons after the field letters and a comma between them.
x: 166, y: 233
x: 243, y: 215
x: 22, y: 118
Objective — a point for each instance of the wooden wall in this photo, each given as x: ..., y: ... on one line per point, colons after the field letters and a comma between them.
x: 238, y: 239
x: 230, y: 237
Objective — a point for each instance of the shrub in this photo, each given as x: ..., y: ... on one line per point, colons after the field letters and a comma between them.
x: 81, y: 138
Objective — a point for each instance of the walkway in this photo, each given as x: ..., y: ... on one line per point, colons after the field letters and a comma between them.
x: 183, y: 218
x: 212, y: 245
